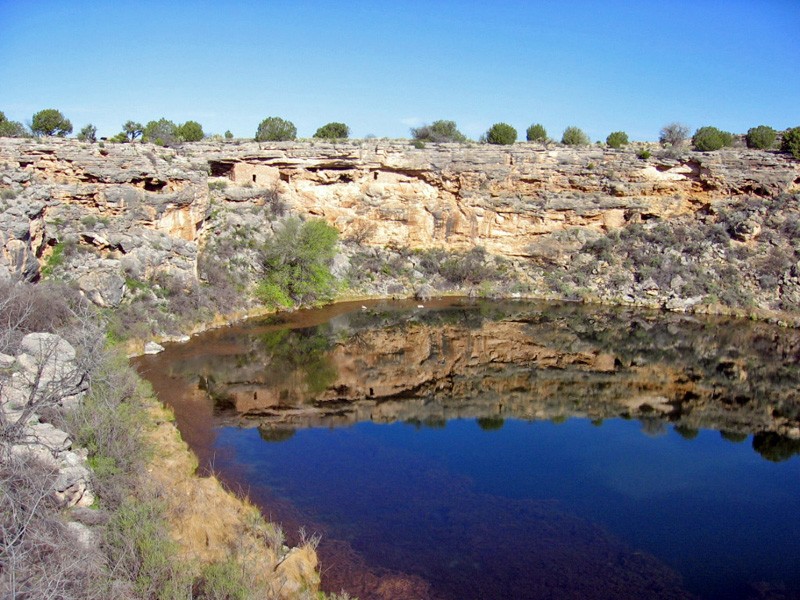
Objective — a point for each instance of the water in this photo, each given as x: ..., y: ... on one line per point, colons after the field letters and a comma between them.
x: 508, y: 450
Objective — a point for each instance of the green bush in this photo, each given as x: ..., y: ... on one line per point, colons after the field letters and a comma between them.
x: 297, y: 262
x: 191, y: 131
x: 228, y: 135
x: 761, y: 137
x: 791, y: 142
x: 275, y: 129
x: 161, y: 133
x: 225, y: 581
x: 536, y: 133
x: 11, y: 128
x: 439, y: 131
x: 708, y: 139
x: 50, y: 122
x: 502, y: 134
x: 617, y: 139
x: 573, y: 136
x: 333, y: 131
x: 644, y: 154
x: 673, y: 134
x: 88, y: 133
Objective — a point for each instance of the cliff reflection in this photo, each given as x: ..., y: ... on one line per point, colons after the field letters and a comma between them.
x: 493, y: 361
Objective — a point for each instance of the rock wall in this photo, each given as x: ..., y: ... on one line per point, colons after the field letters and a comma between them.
x: 104, y: 215
x: 503, y: 198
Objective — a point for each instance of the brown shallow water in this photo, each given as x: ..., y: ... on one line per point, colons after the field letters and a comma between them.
x: 447, y: 452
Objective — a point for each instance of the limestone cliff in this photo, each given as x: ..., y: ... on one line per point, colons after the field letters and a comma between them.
x: 140, y: 221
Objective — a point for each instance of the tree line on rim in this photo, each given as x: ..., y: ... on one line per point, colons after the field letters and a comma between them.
x: 51, y: 122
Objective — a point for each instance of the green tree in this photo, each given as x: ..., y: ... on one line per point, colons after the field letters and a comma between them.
x: 574, y: 136
x: 275, y: 129
x: 439, y: 131
x: 297, y: 263
x: 761, y: 137
x: 502, y: 134
x: 50, y: 122
x: 161, y: 133
x: 228, y: 135
x: 191, y: 131
x: 617, y: 139
x: 708, y: 139
x: 673, y: 134
x: 333, y: 131
x: 88, y: 133
x: 791, y: 142
x: 11, y: 128
x: 132, y: 130
x: 536, y: 133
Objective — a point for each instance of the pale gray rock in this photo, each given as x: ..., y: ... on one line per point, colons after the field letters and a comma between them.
x: 105, y: 288
x: 682, y: 304
x: 20, y: 261
x: 47, y: 436
x: 340, y: 266
x: 153, y: 348
x: 73, y: 486
x: 425, y: 292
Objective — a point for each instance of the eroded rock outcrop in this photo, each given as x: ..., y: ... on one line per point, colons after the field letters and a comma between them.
x: 43, y: 375
x: 146, y: 208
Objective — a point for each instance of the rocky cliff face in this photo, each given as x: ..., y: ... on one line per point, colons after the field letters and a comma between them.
x: 123, y: 217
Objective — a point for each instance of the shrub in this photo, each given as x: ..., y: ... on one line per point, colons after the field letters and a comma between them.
x: 297, y: 263
x: 502, y: 134
x: 536, y: 133
x: 643, y: 154
x: 761, y: 137
x: 617, y: 139
x: 673, y: 134
x: 11, y: 128
x: 333, y: 131
x: 791, y: 142
x: 439, y: 131
x: 228, y: 135
x: 161, y: 133
x: 191, y: 131
x: 50, y: 122
x: 275, y: 129
x: 708, y: 139
x: 88, y: 133
x: 573, y: 136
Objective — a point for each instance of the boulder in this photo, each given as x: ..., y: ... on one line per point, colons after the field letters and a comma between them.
x: 20, y: 261
x: 153, y: 348
x: 425, y: 292
x: 103, y: 288
x: 47, y: 361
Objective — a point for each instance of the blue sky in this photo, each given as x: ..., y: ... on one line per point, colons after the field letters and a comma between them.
x: 382, y: 67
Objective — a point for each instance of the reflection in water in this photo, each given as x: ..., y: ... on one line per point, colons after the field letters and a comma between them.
x: 425, y: 513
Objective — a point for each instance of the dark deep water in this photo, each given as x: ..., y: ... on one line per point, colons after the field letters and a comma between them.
x: 509, y: 450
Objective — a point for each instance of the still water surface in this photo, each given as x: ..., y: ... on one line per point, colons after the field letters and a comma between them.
x: 509, y: 450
